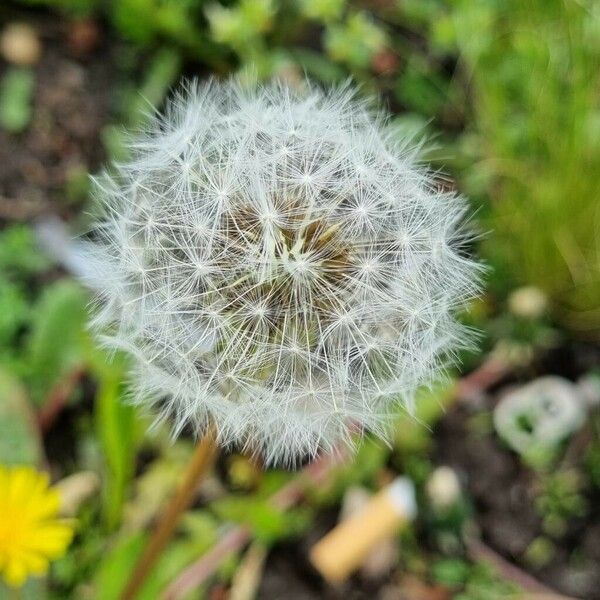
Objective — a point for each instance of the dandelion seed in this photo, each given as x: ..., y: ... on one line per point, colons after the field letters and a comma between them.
x: 278, y: 264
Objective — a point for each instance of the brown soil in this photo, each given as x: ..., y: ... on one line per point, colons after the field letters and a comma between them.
x: 504, y: 490
x: 70, y: 106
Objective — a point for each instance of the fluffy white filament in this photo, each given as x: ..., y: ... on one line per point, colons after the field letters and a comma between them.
x: 278, y: 264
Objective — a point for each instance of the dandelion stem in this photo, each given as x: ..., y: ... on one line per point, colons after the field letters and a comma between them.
x: 200, y: 463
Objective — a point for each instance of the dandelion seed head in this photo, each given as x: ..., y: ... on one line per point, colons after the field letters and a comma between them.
x: 278, y: 263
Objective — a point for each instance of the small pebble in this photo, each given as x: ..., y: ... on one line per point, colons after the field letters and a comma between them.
x: 84, y: 36
x: 385, y: 62
x: 528, y: 302
x: 20, y: 44
x: 443, y: 487
x: 75, y: 489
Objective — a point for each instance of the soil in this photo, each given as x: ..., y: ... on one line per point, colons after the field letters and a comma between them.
x: 504, y: 490
x: 289, y: 575
x: 70, y: 105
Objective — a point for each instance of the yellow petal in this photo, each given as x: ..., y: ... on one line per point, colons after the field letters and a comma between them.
x: 30, y: 535
x: 22, y: 483
x: 50, y: 539
x: 46, y: 505
x: 35, y: 563
x: 15, y: 572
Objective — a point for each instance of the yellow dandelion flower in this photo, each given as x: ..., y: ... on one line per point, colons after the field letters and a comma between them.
x: 31, y: 534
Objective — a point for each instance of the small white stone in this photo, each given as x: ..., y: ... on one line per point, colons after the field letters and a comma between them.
x: 75, y: 489
x: 529, y: 302
x: 20, y: 45
x: 402, y: 494
x: 542, y: 413
x: 443, y: 487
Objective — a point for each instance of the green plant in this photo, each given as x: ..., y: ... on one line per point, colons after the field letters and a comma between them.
x: 472, y: 581
x: 533, y: 70
x: 16, y: 91
x: 560, y: 499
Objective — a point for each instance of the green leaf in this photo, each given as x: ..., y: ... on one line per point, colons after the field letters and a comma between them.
x: 55, y: 342
x: 115, y: 570
x: 423, y: 91
x: 355, y: 41
x: 317, y: 66
x: 450, y: 571
x: 118, y: 432
x: 19, y: 437
x: 14, y: 310
x: 326, y: 11
x: 268, y: 523
x: 156, y: 484
x: 413, y: 431
x: 16, y: 92
x: 19, y: 254
x: 160, y: 74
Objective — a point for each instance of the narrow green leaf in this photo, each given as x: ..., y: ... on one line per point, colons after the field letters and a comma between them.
x: 16, y: 91
x: 117, y: 432
x: 161, y: 73
x: 55, y: 342
x: 19, y: 437
x: 115, y: 570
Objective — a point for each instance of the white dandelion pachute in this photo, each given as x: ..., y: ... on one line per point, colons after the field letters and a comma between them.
x: 278, y: 264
